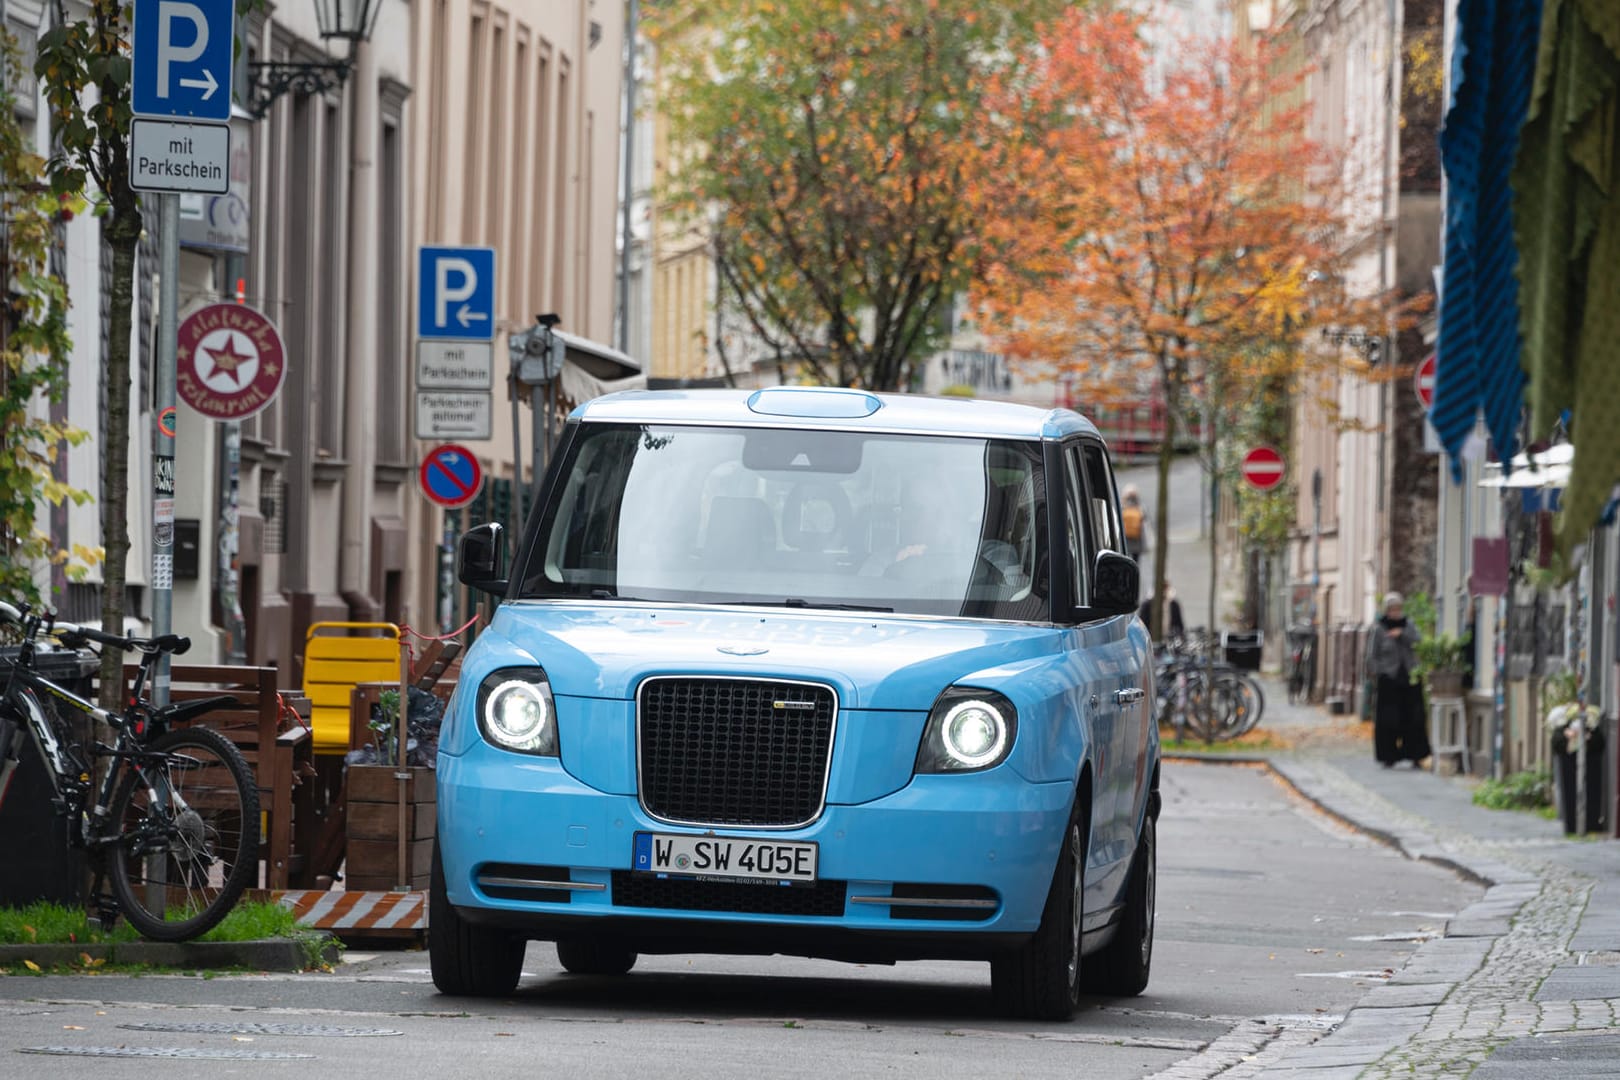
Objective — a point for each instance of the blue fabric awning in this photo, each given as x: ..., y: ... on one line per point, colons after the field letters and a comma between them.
x: 1477, y: 368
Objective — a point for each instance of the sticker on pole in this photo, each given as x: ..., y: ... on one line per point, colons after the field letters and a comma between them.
x: 1263, y: 468
x: 451, y: 476
x: 229, y: 361
x: 1423, y: 381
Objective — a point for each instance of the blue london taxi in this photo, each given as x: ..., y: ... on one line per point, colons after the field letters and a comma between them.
x: 806, y: 671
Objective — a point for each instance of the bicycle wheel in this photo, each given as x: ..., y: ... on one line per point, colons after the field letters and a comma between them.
x: 1296, y: 680
x: 1258, y: 692
x: 187, y: 839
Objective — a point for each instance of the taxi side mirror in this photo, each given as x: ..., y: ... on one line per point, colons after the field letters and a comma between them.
x: 481, y: 559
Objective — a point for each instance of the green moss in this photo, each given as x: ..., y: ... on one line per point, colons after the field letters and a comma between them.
x: 1530, y: 790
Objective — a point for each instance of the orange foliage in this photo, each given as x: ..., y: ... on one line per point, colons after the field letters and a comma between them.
x: 1181, y: 219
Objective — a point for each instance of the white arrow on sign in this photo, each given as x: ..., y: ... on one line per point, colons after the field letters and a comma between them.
x: 206, y: 81
x: 466, y: 316
x: 169, y: 53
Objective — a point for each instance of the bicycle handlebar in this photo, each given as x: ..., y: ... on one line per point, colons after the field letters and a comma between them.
x: 73, y: 635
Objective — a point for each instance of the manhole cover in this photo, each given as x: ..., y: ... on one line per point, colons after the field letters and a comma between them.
x: 160, y: 1052
x: 206, y: 1028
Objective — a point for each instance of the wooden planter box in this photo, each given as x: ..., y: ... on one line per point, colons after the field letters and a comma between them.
x: 372, y: 853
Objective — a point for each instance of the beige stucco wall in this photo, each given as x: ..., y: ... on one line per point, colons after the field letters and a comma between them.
x: 515, y: 129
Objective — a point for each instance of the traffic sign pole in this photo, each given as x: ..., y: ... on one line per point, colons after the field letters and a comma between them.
x: 163, y: 444
x: 181, y: 56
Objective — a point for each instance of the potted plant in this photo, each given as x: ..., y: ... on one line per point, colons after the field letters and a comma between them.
x: 1443, y: 660
x: 1572, y: 724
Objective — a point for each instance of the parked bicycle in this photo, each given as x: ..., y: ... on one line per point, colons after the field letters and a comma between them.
x: 1202, y: 696
x: 168, y: 814
x: 1301, y: 661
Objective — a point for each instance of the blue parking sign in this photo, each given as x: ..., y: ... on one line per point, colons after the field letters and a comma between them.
x: 182, y: 53
x: 455, y: 293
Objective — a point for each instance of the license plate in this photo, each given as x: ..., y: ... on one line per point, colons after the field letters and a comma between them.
x: 728, y: 857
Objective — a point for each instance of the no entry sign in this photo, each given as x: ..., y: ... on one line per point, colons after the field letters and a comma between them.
x: 1263, y: 468
x: 451, y: 476
x: 1424, y: 381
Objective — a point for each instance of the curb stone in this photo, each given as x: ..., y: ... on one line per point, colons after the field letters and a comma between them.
x: 273, y: 954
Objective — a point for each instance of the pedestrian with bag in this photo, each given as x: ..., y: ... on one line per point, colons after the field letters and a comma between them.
x: 1399, y: 726
x: 1135, y: 522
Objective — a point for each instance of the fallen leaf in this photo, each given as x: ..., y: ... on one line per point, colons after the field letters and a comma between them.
x: 71, y: 1027
x: 1273, y: 956
x: 1316, y: 952
x: 30, y: 965
x: 33, y: 935
x: 241, y: 1038
x: 503, y: 1034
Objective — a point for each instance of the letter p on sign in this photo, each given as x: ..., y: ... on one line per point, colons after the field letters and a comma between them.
x: 169, y: 12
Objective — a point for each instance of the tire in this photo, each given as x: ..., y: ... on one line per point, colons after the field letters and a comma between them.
x: 1040, y: 980
x: 594, y: 956
x: 468, y: 960
x: 208, y: 851
x: 1122, y: 968
x: 1296, y: 680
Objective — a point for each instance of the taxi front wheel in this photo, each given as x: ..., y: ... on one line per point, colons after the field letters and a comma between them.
x: 468, y: 960
x: 1040, y: 980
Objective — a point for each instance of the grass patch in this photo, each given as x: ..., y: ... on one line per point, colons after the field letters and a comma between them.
x: 52, y: 924
x: 1529, y: 790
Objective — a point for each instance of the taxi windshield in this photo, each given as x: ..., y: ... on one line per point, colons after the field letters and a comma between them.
x: 915, y: 524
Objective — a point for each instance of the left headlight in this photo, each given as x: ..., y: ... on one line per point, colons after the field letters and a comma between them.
x: 516, y: 711
x: 968, y: 730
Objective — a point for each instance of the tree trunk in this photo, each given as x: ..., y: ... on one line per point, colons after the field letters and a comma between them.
x: 123, y: 234
x: 1161, y: 514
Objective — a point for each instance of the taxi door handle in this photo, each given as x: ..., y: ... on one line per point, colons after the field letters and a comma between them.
x: 1130, y: 695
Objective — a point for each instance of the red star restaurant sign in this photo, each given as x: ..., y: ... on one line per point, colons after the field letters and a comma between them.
x: 230, y: 362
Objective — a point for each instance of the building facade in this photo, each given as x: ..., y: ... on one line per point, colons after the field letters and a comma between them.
x: 517, y: 140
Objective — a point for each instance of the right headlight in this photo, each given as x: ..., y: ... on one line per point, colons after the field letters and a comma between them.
x: 968, y: 730
x: 516, y: 711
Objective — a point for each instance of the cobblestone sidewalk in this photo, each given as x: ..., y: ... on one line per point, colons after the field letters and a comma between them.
x: 1518, y: 964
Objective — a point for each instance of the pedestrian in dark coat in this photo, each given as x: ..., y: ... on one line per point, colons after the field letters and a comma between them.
x: 1400, y: 730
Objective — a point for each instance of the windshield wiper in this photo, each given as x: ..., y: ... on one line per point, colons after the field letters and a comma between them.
x: 609, y: 594
x: 796, y: 602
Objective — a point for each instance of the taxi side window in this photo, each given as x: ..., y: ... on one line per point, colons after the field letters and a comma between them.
x: 1076, y: 537
x: 1107, y: 530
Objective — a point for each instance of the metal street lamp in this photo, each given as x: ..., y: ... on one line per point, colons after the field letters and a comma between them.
x: 342, y: 20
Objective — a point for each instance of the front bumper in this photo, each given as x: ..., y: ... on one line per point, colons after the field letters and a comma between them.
x: 993, y: 831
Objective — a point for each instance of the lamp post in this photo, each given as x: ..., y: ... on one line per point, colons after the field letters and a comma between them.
x: 340, y: 20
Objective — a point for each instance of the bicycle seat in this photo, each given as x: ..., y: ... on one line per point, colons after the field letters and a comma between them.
x: 176, y: 644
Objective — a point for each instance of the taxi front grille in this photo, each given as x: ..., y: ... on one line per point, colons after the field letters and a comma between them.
x: 734, y: 752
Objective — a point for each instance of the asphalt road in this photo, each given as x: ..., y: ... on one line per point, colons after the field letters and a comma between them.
x: 1266, y: 909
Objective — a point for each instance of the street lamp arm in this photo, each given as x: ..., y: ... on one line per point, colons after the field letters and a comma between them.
x: 271, y: 79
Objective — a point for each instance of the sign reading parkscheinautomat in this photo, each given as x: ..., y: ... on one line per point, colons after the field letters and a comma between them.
x: 451, y: 414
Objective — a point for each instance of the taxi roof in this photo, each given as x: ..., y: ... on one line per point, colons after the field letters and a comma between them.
x: 835, y: 408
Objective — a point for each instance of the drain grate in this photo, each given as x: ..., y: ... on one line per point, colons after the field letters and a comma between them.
x: 307, y: 1030
x: 162, y: 1052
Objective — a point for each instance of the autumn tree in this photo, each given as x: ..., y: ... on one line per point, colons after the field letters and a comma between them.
x: 34, y: 349
x: 1183, y: 227
x: 827, y: 149
x: 85, y: 65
